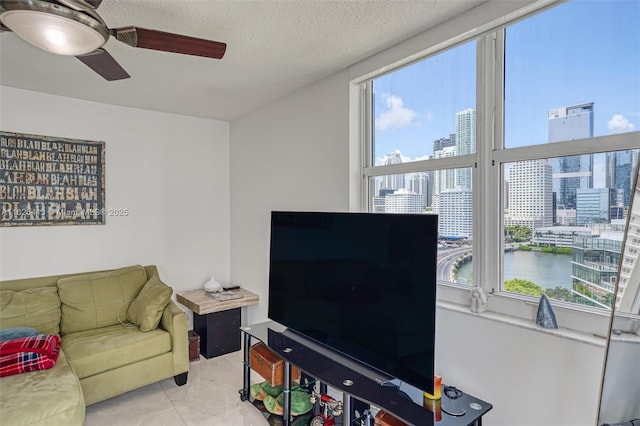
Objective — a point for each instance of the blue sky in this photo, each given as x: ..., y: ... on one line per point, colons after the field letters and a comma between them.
x: 582, y: 51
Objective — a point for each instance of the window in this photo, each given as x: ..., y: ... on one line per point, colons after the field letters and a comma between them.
x: 565, y: 76
x: 418, y: 111
x: 542, y: 116
x: 421, y: 124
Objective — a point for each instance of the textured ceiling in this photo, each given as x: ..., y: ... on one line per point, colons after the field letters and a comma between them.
x: 274, y: 48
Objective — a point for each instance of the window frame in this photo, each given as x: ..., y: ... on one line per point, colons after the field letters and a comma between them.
x: 487, y: 169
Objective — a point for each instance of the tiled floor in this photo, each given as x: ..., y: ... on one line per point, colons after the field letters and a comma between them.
x: 210, y: 398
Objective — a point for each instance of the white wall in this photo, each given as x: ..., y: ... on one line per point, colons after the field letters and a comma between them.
x: 291, y: 155
x: 531, y: 377
x: 170, y: 171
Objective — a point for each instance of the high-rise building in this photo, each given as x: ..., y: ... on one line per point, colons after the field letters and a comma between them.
x: 593, y: 205
x: 456, y: 213
x: 628, y: 295
x: 419, y: 183
x: 431, y: 178
x: 393, y: 182
x: 403, y: 201
x: 465, y: 143
x: 616, y: 212
x: 444, y: 179
x: 619, y: 173
x: 530, y: 194
x: 378, y: 204
x: 435, y: 204
x: 595, y: 267
x: 570, y: 173
x: 440, y: 144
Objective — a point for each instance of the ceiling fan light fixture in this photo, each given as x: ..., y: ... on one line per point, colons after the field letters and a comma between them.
x: 53, y: 33
x: 53, y: 27
x: 74, y: 28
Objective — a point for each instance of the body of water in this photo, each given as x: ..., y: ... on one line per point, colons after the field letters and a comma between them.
x: 545, y: 269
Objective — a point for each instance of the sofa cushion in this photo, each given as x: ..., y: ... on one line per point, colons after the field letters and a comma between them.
x: 47, y: 397
x: 34, y: 307
x: 98, y: 299
x: 95, y: 351
x: 146, y: 309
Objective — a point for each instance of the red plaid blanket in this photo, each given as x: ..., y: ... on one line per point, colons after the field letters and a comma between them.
x: 28, y: 354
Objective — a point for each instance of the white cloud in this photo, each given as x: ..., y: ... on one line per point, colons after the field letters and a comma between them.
x: 395, y: 115
x: 381, y: 161
x: 619, y: 124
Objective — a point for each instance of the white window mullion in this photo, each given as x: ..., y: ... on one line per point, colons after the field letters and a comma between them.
x: 497, y: 173
x: 366, y: 122
x: 418, y: 166
x: 593, y: 145
x: 487, y: 198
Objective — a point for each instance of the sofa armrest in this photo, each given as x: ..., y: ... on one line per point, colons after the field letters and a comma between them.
x: 174, y: 320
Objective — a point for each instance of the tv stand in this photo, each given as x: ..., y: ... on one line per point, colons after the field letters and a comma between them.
x: 332, y: 369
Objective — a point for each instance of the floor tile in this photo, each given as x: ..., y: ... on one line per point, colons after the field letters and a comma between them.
x: 210, y: 398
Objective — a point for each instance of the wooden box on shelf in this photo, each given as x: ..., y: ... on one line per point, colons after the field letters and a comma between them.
x: 385, y: 419
x: 269, y: 365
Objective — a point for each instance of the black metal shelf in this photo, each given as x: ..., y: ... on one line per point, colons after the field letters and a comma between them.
x: 352, y: 379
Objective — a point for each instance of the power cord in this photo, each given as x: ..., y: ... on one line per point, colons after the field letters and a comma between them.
x: 126, y: 323
x: 452, y: 392
x: 634, y: 422
x: 448, y: 407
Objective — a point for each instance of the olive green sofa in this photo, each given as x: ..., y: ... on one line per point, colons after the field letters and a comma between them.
x: 118, y: 333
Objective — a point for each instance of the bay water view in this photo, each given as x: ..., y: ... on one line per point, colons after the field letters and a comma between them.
x: 548, y: 270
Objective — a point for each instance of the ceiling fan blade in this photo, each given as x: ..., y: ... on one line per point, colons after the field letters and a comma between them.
x: 81, y: 4
x: 103, y: 63
x: 169, y: 42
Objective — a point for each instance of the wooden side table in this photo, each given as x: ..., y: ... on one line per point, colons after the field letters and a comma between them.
x: 217, y: 323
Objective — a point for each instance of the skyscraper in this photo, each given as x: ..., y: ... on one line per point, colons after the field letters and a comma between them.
x: 628, y: 299
x: 419, y: 183
x: 619, y: 173
x: 456, y: 213
x: 442, y: 143
x: 530, y: 194
x: 403, y: 201
x: 465, y: 143
x: 570, y: 173
x: 593, y: 205
x: 444, y: 179
x: 394, y: 182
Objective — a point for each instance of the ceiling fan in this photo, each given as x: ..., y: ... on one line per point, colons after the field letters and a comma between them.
x: 74, y: 28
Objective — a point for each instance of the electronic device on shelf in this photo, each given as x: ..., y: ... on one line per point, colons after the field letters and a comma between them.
x: 231, y: 287
x: 222, y: 296
x: 362, y: 284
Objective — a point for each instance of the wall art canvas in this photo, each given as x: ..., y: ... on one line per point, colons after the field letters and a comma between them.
x: 47, y: 180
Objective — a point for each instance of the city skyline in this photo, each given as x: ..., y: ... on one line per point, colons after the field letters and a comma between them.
x: 416, y: 106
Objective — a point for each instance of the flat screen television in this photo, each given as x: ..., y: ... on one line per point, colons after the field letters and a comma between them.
x: 362, y: 284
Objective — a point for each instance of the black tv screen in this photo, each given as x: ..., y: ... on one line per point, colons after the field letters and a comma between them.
x: 363, y: 284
